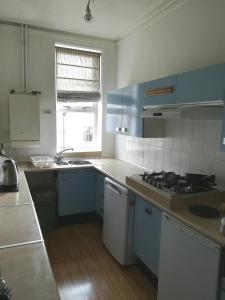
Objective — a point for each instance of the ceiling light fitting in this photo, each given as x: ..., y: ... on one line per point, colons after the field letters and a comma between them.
x: 88, y: 16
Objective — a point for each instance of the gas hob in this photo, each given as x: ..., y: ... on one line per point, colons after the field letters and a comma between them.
x: 171, y: 184
x: 172, y: 191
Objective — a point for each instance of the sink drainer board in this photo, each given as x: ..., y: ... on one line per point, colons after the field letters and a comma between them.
x: 205, y: 211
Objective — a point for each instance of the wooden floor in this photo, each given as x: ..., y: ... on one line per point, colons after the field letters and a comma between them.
x: 84, y: 269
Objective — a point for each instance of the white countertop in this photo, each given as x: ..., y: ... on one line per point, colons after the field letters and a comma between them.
x: 19, y: 225
x: 119, y: 170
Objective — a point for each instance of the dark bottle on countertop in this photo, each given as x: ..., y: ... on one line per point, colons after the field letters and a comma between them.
x: 5, y: 291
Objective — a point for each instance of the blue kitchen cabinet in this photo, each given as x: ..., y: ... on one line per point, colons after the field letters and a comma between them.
x: 222, y: 295
x: 124, y: 107
x: 147, y: 230
x: 160, y: 98
x: 100, y: 186
x: 132, y: 109
x: 222, y: 134
x: 206, y: 84
x: 76, y: 191
x: 114, y: 111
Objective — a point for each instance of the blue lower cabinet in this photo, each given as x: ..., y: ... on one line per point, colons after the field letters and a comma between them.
x: 100, y: 185
x: 76, y: 192
x: 222, y: 295
x: 222, y: 134
x: 147, y: 231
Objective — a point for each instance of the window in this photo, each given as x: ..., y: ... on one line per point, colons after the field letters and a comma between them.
x: 78, y: 99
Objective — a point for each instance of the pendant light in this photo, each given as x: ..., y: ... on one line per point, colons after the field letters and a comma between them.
x: 88, y: 16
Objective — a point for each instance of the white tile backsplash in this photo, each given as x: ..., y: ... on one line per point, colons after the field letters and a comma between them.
x: 188, y: 146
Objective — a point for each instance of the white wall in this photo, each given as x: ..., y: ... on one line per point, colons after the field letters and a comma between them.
x: 190, y: 37
x: 188, y: 146
x: 41, y: 62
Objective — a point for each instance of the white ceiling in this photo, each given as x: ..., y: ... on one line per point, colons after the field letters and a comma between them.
x: 112, y: 18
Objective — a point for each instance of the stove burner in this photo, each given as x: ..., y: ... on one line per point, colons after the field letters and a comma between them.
x: 170, y: 181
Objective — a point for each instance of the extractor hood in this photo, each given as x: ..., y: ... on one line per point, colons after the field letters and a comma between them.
x: 201, y: 110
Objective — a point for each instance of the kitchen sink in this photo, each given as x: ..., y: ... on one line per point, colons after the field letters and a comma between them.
x: 61, y: 163
x: 79, y: 162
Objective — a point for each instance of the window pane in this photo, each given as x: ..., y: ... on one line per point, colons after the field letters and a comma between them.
x: 77, y: 128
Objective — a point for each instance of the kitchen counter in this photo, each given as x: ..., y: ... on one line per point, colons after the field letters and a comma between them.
x: 27, y: 270
x: 119, y: 170
x: 22, y: 252
x: 24, y: 261
x: 20, y: 198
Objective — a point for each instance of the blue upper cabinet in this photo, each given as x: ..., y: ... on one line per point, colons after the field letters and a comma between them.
x: 160, y: 91
x: 147, y: 232
x: 124, y: 107
x: 201, y: 85
x: 132, y: 108
x: 114, y: 111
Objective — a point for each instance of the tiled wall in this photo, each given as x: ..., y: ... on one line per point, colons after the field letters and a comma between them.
x: 188, y: 146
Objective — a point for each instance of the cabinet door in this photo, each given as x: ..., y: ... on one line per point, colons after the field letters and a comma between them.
x: 222, y: 135
x: 222, y: 295
x: 132, y: 108
x: 160, y: 98
x: 100, y: 179
x: 205, y: 84
x: 147, y: 230
x: 114, y: 111
x: 189, y: 264
x: 73, y: 195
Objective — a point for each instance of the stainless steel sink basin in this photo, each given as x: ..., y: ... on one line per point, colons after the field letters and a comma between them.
x: 61, y: 163
x: 79, y: 162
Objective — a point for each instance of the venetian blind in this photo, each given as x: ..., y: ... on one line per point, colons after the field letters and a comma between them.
x: 77, y: 75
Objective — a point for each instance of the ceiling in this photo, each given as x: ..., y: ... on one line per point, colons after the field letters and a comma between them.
x: 112, y: 18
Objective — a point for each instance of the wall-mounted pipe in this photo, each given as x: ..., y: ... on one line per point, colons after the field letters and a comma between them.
x: 24, y: 45
x: 24, y: 56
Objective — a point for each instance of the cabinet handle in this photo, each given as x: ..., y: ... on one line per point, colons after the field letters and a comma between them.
x: 148, y: 211
x: 118, y: 129
x: 159, y: 91
x: 124, y: 129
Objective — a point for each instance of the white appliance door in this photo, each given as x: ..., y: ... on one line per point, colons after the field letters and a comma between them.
x: 189, y: 264
x: 115, y: 222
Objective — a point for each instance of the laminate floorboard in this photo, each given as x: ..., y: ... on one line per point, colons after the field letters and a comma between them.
x: 84, y: 269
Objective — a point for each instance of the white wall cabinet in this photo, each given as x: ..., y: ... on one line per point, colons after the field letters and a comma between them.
x: 24, y: 119
x: 189, y: 264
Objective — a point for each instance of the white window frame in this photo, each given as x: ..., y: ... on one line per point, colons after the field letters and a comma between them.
x: 98, y: 118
